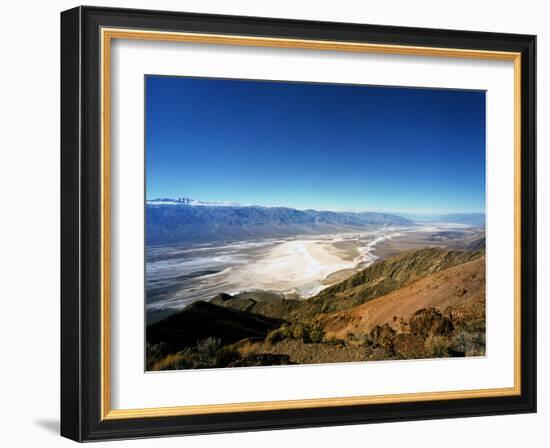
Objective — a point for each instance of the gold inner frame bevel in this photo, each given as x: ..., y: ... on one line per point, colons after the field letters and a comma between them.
x: 107, y: 35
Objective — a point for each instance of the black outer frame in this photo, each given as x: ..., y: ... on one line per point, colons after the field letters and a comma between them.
x: 80, y: 224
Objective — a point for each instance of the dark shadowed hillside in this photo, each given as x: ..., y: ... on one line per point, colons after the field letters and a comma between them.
x: 202, y: 320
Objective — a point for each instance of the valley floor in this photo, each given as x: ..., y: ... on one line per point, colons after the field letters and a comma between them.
x: 298, y: 267
x: 421, y: 303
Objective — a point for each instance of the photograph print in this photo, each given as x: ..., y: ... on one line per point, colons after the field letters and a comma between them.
x: 297, y: 223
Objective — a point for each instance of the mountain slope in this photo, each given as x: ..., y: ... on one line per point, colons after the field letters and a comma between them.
x: 426, y: 303
x: 188, y: 222
x: 397, y: 271
x: 457, y: 287
x: 377, y: 280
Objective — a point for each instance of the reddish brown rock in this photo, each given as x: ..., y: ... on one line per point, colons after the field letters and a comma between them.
x: 409, y: 346
x: 430, y: 322
x: 382, y: 335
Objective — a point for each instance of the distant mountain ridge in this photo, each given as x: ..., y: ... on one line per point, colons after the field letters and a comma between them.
x: 193, y: 202
x: 471, y: 219
x: 188, y: 221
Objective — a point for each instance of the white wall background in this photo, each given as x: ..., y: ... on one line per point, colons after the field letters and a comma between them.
x: 29, y: 228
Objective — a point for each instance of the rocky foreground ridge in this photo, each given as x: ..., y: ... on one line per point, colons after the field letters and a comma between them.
x: 423, y: 303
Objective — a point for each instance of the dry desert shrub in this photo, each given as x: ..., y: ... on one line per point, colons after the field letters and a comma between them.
x: 168, y: 362
x: 306, y: 332
x: 438, y: 347
x: 246, y: 348
x: 470, y: 343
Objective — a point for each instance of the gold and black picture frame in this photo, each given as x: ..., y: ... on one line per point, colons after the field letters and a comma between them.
x: 136, y: 325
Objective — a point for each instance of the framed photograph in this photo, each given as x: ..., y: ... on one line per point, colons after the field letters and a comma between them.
x: 276, y: 224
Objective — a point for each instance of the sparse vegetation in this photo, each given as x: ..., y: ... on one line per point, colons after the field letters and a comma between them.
x: 307, y: 332
x: 261, y: 328
x: 438, y: 347
x: 471, y: 344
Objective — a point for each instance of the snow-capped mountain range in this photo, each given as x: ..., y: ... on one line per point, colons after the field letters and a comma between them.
x: 190, y: 221
x: 194, y: 202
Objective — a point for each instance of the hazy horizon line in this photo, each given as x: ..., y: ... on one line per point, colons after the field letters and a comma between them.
x: 409, y: 212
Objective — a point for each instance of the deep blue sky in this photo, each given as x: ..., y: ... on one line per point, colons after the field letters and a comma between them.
x: 323, y: 146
